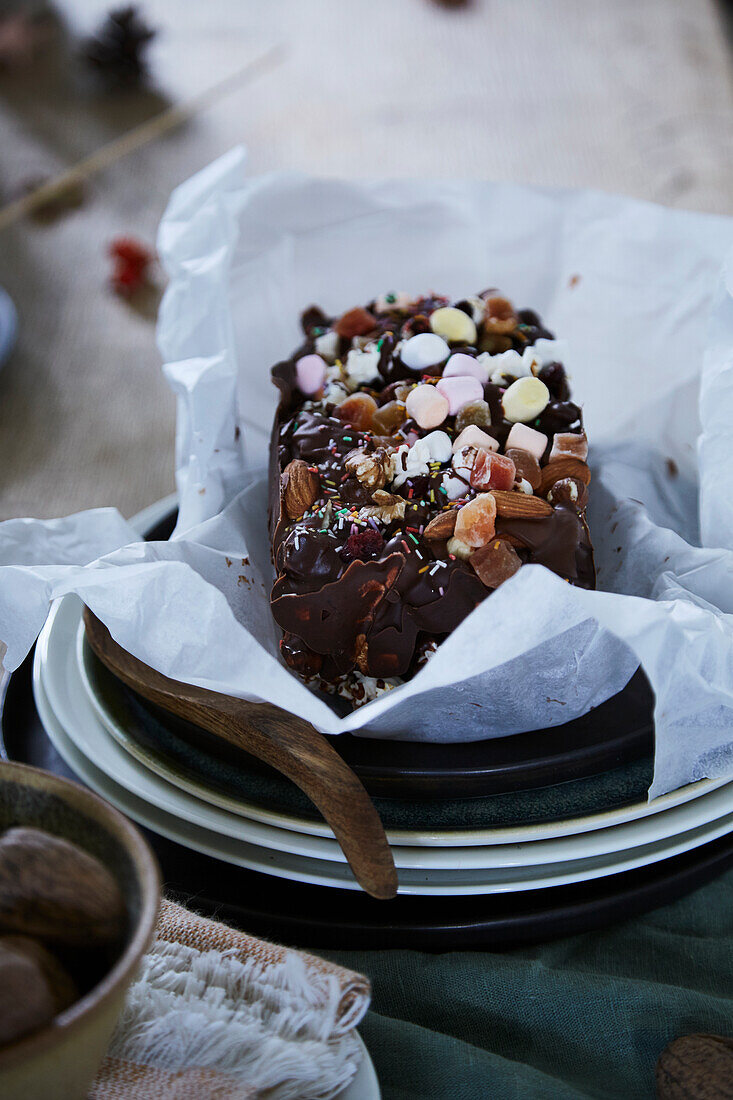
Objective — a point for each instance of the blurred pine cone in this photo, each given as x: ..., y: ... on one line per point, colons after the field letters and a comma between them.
x: 116, y: 52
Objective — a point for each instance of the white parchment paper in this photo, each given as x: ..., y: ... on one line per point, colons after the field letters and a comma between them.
x: 631, y: 287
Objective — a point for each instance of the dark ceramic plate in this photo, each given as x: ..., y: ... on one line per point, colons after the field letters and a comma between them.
x: 169, y: 746
x: 618, y: 732
x: 323, y: 918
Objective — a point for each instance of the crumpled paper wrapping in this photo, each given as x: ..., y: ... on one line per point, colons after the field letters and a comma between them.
x: 628, y: 284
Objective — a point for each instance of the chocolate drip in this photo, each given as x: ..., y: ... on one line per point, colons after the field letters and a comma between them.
x: 560, y: 542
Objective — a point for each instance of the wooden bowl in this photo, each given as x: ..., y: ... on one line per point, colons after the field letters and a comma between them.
x: 61, y: 1060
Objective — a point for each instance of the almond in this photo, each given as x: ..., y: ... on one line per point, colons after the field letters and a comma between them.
x: 300, y: 488
x: 520, y: 505
x: 560, y: 468
x: 441, y: 526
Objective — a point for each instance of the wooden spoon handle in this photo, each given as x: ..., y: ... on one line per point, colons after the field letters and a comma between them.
x: 289, y: 744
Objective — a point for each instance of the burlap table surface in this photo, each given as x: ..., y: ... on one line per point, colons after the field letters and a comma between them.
x: 216, y: 1014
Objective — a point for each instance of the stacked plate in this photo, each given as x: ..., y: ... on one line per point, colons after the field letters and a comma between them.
x: 123, y: 751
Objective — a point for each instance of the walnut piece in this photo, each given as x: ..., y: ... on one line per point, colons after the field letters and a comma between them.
x: 386, y: 508
x: 373, y: 469
x: 500, y: 317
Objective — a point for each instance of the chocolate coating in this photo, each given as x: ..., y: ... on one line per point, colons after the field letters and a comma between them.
x: 380, y: 604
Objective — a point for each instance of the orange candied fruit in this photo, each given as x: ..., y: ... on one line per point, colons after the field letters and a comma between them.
x: 476, y: 520
x: 357, y: 410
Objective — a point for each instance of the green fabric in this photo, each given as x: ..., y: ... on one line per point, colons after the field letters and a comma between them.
x: 578, y: 1018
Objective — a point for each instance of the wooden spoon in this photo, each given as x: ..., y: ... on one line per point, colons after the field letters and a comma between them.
x: 287, y: 743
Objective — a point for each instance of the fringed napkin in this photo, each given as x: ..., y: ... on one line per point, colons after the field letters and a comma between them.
x: 216, y: 1014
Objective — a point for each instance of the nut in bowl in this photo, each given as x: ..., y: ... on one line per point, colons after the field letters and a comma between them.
x: 79, y: 896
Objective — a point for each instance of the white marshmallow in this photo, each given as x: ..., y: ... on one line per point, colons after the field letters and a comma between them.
x: 551, y: 351
x: 528, y: 439
x: 399, y: 300
x: 525, y: 399
x: 473, y: 435
x: 439, y: 446
x: 427, y: 349
x: 327, y: 344
x: 531, y: 360
x: 455, y: 487
x: 506, y: 365
x: 463, y: 460
x: 410, y: 462
x: 454, y: 325
x: 362, y: 367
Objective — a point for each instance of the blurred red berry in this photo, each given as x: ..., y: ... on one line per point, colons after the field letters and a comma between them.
x: 132, y: 261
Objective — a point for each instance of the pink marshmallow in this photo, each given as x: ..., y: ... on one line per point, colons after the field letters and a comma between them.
x: 461, y: 365
x: 526, y: 439
x: 310, y: 373
x: 459, y: 390
x: 426, y: 406
x: 472, y: 436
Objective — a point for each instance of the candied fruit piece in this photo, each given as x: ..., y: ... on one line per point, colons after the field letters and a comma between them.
x: 495, y: 562
x: 476, y: 520
x: 358, y: 410
x: 475, y: 412
x: 492, y: 471
x: 362, y: 544
x: 389, y: 416
x: 569, y: 444
x: 499, y: 316
x: 355, y: 322
x: 527, y: 465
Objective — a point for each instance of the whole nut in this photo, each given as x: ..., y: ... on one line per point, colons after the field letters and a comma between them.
x: 561, y: 468
x: 569, y: 490
x: 26, y: 1001
x: 53, y: 889
x: 696, y: 1066
x: 300, y: 486
x: 510, y: 505
x: 63, y: 988
x: 459, y: 549
x: 441, y: 526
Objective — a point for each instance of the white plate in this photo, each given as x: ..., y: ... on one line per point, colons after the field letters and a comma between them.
x: 365, y: 1085
x: 68, y: 708
x: 441, y: 838
x: 59, y: 653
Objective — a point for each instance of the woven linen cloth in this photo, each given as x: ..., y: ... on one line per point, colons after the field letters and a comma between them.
x: 582, y: 1018
x: 216, y: 1014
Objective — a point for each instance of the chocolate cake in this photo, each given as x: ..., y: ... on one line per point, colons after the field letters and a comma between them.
x: 422, y: 453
